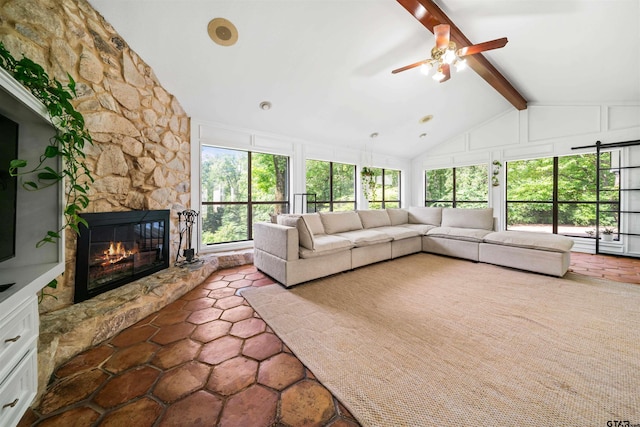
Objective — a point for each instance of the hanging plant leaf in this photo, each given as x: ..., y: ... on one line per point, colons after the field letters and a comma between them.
x: 67, y: 143
x: 14, y: 164
x: 79, y: 188
x: 51, y: 151
x: 49, y: 175
x: 368, y: 176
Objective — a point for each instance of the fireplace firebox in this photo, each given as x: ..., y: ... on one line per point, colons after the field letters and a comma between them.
x: 119, y: 247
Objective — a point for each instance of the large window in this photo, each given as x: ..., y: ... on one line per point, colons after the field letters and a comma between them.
x: 386, y: 193
x: 239, y: 188
x: 558, y: 194
x: 334, y: 186
x: 462, y: 187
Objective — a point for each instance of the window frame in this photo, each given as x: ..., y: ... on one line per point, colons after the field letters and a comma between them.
x: 455, y: 201
x: 383, y: 185
x: 250, y: 202
x: 555, y: 201
x: 331, y: 202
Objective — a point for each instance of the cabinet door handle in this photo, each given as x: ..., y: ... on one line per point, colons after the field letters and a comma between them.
x: 10, y: 405
x: 14, y: 339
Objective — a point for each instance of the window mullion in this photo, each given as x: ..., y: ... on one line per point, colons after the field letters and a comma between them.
x: 455, y: 185
x: 249, y: 199
x: 331, y: 186
x: 554, y: 209
x: 383, y: 197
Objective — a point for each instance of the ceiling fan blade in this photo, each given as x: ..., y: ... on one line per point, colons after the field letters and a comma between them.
x: 410, y: 66
x: 446, y: 70
x: 442, y: 36
x: 429, y: 14
x: 482, y: 47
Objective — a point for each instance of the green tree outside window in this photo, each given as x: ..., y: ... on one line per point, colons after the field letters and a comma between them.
x: 239, y: 188
x: 333, y: 184
x: 459, y: 187
x: 558, y: 194
x: 386, y: 192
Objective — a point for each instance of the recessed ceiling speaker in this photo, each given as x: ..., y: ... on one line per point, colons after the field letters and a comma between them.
x: 222, y: 32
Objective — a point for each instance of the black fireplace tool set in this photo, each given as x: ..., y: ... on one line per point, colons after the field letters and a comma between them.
x: 186, y: 219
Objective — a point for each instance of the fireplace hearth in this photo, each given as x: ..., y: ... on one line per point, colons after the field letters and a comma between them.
x: 119, y: 247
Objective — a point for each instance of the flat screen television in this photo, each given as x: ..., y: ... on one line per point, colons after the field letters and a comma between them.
x: 8, y: 188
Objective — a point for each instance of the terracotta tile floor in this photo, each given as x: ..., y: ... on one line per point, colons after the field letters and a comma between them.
x: 209, y: 360
x: 618, y: 269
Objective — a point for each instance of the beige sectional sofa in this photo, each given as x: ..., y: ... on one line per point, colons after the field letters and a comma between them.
x: 299, y: 248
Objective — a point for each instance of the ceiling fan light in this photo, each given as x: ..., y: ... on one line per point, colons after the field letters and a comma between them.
x: 425, y: 68
x: 439, y: 75
x: 461, y: 64
x: 449, y: 56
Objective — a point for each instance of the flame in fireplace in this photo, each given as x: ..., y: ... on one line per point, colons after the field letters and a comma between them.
x: 116, y: 253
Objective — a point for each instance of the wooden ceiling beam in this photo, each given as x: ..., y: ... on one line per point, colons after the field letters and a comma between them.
x: 430, y: 15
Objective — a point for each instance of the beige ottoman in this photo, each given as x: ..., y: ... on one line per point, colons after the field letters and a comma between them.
x: 538, y: 252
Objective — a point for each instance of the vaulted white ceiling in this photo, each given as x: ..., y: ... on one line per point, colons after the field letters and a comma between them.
x: 325, y: 65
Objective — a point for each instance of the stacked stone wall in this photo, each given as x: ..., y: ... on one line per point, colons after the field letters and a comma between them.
x: 141, y: 153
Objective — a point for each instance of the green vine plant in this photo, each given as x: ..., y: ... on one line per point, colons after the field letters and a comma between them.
x: 495, y: 173
x: 368, y: 182
x: 67, y: 143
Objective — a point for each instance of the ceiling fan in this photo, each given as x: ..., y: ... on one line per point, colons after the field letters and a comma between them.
x: 446, y: 53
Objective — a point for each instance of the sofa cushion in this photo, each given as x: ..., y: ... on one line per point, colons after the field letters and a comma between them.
x: 326, y: 244
x: 398, y: 216
x: 374, y: 218
x: 290, y: 220
x: 369, y: 237
x: 338, y: 222
x: 468, y: 218
x: 314, y: 223
x: 459, y: 233
x: 420, y: 228
x: 398, y: 233
x: 531, y: 240
x: 305, y: 236
x: 308, y: 253
x: 425, y: 215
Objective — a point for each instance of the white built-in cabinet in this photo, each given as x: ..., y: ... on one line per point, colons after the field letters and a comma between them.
x: 18, y: 360
x: 32, y: 268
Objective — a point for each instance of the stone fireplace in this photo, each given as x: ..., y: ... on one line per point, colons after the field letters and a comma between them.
x: 119, y: 247
x: 140, y: 160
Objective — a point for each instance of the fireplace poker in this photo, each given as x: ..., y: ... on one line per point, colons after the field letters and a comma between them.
x: 189, y: 219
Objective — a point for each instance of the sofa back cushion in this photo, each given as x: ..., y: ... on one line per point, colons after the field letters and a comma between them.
x: 468, y: 218
x: 290, y: 220
x: 339, y: 222
x: 425, y: 215
x: 314, y: 223
x: 374, y: 218
x: 398, y: 216
x: 305, y: 236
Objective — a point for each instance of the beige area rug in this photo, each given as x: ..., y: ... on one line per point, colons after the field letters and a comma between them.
x: 426, y: 340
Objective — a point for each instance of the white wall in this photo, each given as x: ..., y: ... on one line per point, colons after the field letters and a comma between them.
x: 538, y: 131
